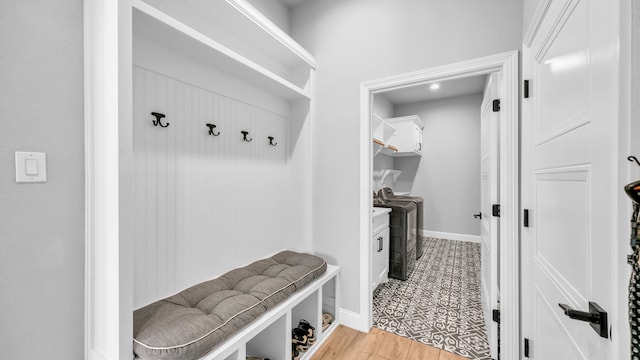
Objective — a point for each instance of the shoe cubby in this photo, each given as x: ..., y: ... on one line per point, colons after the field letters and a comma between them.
x: 329, y: 303
x: 307, y: 310
x: 269, y: 343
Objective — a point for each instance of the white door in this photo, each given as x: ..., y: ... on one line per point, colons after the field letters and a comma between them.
x: 568, y: 145
x: 489, y: 195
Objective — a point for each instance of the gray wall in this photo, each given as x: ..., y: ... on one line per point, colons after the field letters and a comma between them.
x: 528, y: 9
x: 42, y: 225
x: 359, y: 40
x: 447, y: 175
x: 275, y: 10
x: 384, y: 108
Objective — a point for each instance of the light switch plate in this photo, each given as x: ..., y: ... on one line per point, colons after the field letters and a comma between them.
x: 31, y: 167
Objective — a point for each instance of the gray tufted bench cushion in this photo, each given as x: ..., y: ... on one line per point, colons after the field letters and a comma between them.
x: 189, y: 324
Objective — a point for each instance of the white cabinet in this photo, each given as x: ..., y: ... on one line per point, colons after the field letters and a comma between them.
x: 408, y: 135
x: 380, y: 247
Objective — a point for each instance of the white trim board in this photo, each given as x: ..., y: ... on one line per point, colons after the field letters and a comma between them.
x: 452, y: 236
x: 508, y: 64
x: 351, y: 319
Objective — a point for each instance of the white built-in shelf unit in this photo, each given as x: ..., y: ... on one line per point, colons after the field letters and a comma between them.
x: 233, y: 37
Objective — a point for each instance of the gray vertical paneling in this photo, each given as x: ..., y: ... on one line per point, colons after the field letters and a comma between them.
x: 204, y: 204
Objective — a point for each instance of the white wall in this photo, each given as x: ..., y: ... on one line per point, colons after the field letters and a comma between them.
x: 528, y: 10
x: 42, y: 225
x: 383, y: 108
x: 203, y: 204
x: 447, y: 175
x: 360, y: 40
x: 275, y: 10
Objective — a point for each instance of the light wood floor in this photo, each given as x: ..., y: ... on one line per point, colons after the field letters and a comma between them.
x: 349, y: 344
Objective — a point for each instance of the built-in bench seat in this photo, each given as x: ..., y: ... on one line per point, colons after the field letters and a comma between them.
x: 188, y: 325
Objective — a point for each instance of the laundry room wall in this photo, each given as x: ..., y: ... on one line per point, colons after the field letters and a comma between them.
x: 447, y: 175
x: 42, y: 224
x: 361, y: 40
x: 383, y: 108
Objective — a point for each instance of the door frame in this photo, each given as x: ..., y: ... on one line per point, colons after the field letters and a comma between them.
x: 508, y: 64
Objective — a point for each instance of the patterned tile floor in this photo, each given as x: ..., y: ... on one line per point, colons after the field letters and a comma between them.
x: 440, y: 304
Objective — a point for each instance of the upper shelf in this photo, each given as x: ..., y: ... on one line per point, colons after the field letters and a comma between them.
x: 283, y: 66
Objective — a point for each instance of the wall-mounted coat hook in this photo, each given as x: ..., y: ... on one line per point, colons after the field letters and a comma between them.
x: 244, y: 136
x: 271, y: 141
x: 211, y: 127
x: 158, y: 120
x: 633, y: 158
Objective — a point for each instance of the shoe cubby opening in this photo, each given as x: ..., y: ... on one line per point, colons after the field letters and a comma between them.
x: 307, y: 310
x: 269, y: 343
x: 328, y: 302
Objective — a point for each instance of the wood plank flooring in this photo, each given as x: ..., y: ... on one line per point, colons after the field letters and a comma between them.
x: 348, y: 344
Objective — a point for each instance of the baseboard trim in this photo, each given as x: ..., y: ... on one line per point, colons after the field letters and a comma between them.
x: 452, y: 236
x: 352, y: 320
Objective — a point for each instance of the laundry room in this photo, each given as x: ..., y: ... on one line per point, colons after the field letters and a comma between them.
x: 427, y: 151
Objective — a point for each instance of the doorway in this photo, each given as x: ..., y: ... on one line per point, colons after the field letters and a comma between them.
x: 505, y: 64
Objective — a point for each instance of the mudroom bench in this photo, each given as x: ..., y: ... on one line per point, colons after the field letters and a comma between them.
x: 225, y: 318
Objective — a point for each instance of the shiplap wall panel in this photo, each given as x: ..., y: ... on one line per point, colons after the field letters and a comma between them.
x: 204, y: 204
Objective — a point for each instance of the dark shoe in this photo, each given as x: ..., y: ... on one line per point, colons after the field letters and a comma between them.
x: 311, y: 337
x: 295, y: 354
x: 299, y: 338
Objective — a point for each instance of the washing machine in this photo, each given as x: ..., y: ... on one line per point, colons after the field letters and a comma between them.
x: 387, y: 194
x: 402, y: 249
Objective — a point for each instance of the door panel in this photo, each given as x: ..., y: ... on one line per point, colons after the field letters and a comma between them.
x: 489, y: 194
x: 568, y: 142
x: 552, y: 326
x: 563, y: 204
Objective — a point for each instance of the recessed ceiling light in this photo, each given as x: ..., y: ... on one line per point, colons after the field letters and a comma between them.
x: 434, y: 86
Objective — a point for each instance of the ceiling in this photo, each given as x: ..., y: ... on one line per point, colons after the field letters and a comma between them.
x: 449, y: 88
x: 291, y: 3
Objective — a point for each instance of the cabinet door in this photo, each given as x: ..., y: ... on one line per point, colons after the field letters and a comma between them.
x: 380, y: 256
x: 418, y: 137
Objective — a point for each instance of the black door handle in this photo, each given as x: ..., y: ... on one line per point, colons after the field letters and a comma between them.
x: 478, y: 215
x: 596, y: 316
x: 380, y: 244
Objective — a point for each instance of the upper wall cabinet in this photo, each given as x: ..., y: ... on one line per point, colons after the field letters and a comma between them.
x: 232, y: 37
x: 407, y: 137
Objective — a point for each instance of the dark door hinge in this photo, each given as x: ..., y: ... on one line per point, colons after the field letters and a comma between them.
x: 495, y: 210
x: 496, y: 105
x: 526, y: 347
x: 525, y: 218
x: 526, y: 89
x: 496, y: 315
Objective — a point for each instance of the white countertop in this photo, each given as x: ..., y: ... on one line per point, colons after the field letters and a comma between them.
x: 378, y: 211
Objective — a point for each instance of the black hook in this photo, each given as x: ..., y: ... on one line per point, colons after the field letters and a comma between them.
x: 158, y: 120
x: 633, y: 158
x: 271, y: 141
x: 211, y: 127
x: 244, y: 136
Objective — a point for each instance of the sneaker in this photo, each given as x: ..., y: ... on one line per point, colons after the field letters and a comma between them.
x: 295, y: 354
x: 311, y: 337
x: 299, y: 337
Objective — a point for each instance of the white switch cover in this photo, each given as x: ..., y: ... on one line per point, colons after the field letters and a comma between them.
x: 31, y: 167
